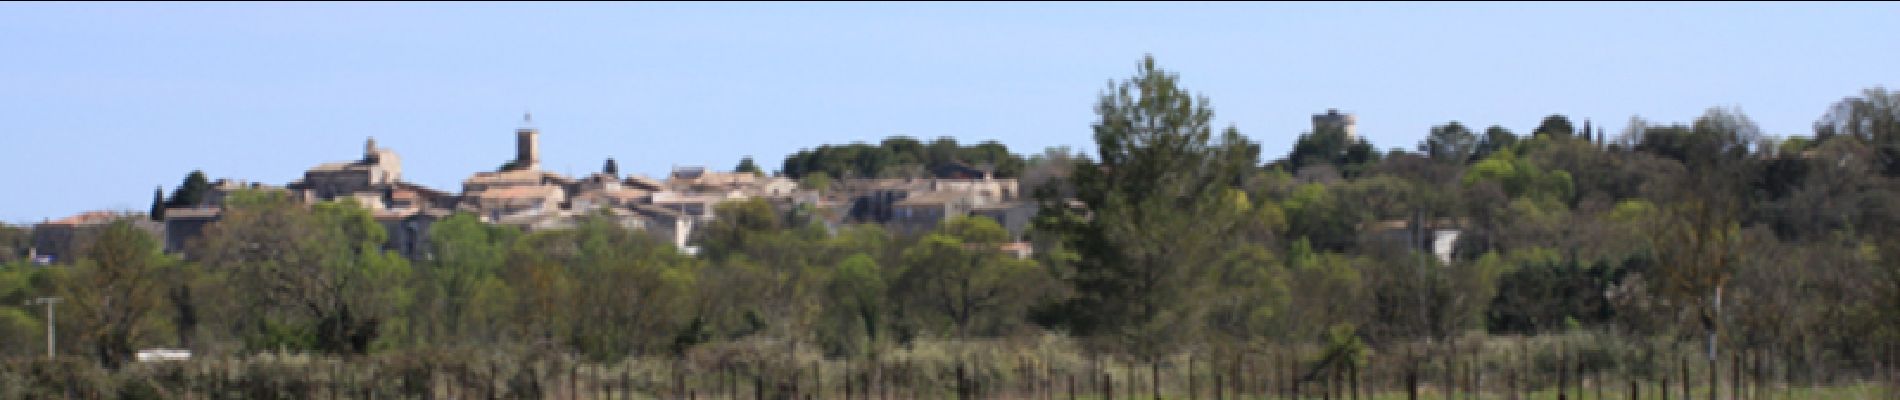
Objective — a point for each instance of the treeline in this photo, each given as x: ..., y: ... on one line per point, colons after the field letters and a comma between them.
x: 1173, y: 238
x: 903, y: 157
x: 274, y: 275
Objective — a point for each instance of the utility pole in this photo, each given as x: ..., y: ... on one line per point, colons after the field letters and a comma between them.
x: 48, y: 301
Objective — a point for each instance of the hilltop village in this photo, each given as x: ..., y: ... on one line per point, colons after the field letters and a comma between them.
x: 523, y: 195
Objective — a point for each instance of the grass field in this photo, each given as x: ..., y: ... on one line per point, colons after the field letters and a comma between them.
x: 1860, y: 391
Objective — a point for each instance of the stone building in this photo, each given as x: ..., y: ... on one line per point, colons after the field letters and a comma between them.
x: 183, y: 224
x: 521, y: 194
x: 378, y: 168
x: 603, y: 190
x: 696, y: 179
x: 61, y: 240
x: 914, y: 206
x: 1439, y: 237
x: 405, y: 210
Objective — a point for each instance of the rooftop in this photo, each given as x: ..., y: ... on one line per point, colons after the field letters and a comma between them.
x: 517, y: 192
x: 88, y: 218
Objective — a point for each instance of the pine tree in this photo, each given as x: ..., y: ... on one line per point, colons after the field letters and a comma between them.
x: 746, y: 165
x: 192, y: 192
x: 1164, y: 208
x: 1555, y: 124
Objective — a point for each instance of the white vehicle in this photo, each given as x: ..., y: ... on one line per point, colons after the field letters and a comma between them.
x: 149, y: 355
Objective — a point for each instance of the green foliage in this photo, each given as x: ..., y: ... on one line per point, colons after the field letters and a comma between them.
x: 157, y: 212
x: 1555, y: 124
x: 1795, y: 145
x: 746, y: 166
x: 958, y: 283
x: 1873, y: 118
x: 1450, y: 143
x: 738, y: 222
x: 1315, y: 216
x: 191, y: 192
x: 462, y: 296
x: 1495, y: 138
x: 599, y: 289
x: 1521, y: 179
x: 856, y: 317
x: 115, y: 292
x: 901, y: 157
x: 1633, y: 210
x: 1171, y: 244
x: 1718, y: 139
x: 14, y: 242
x: 320, y: 269
x: 1543, y: 297
x: 816, y: 180
x: 1329, y: 145
x: 1162, y: 212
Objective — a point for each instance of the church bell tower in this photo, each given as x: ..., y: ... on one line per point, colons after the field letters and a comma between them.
x: 527, y: 145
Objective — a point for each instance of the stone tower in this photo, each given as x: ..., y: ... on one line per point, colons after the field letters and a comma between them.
x: 527, y: 145
x: 1332, y: 118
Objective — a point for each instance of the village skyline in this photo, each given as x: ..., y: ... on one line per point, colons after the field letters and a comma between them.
x: 950, y: 200
x: 112, y: 101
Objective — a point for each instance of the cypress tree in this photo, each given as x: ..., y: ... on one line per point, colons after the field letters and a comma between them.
x: 158, y: 203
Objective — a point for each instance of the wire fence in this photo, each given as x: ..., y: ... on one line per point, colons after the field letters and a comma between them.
x: 1539, y: 368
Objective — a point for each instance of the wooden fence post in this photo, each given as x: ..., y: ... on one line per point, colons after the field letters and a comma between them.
x: 1191, y: 393
x: 1050, y: 379
x: 1154, y: 377
x: 796, y: 391
x: 1663, y: 393
x: 1477, y: 376
x: 1450, y: 382
x: 494, y: 373
x: 1411, y: 377
x: 1715, y: 376
x: 1218, y: 387
x: 1293, y: 374
x: 1761, y: 377
x: 1071, y: 377
x: 336, y: 374
x: 1686, y: 382
x: 1596, y: 381
x: 962, y: 387
x: 1563, y: 368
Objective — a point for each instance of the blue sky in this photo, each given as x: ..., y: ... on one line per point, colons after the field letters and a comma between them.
x: 105, y: 101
